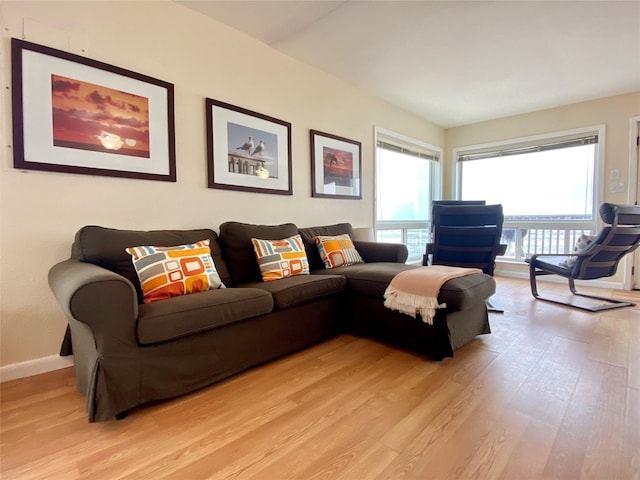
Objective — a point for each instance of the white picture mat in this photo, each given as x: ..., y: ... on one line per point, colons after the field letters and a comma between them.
x: 333, y: 189
x: 221, y: 116
x: 37, y: 69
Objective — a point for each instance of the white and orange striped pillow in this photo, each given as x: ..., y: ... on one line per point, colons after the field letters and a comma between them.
x: 279, y: 259
x: 337, y: 251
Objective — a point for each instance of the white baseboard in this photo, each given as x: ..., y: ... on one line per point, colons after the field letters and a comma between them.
x: 34, y: 367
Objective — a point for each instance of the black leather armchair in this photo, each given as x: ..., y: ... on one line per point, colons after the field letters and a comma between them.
x: 599, y: 260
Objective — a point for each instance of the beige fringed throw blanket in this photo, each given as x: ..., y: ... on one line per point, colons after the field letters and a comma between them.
x: 416, y: 291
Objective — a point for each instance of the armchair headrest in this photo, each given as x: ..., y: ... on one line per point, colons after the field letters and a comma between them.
x: 607, y: 212
x: 626, y: 214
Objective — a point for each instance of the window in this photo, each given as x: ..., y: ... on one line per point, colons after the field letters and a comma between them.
x: 407, y: 179
x: 546, y: 185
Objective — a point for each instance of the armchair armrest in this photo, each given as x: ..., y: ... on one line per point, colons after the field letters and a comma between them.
x: 532, y: 258
x: 381, y: 252
x: 104, y: 301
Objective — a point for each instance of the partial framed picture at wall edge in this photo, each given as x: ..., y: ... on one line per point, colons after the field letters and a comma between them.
x: 73, y: 114
x: 336, y: 165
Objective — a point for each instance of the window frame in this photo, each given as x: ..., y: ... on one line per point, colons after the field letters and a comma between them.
x: 570, y: 227
x: 388, y: 136
x: 540, y: 140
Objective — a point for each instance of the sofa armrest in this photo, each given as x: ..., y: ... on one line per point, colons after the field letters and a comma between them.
x: 104, y: 301
x: 381, y: 252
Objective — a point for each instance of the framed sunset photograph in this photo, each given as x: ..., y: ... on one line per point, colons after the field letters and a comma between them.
x: 76, y: 115
x: 336, y: 164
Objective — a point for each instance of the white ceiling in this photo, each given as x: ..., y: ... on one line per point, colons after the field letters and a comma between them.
x: 455, y: 62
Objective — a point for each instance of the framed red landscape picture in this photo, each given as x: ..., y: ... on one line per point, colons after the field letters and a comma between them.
x: 76, y: 115
x: 336, y: 164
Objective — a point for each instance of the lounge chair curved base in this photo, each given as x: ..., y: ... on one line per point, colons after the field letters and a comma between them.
x: 611, y: 304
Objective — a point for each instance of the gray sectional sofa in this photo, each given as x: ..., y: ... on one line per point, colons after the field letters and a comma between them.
x: 127, y: 353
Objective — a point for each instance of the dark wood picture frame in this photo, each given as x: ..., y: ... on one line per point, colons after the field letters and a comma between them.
x: 247, y: 151
x: 73, y: 114
x: 336, y: 166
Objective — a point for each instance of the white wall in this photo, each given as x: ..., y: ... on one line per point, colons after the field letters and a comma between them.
x: 40, y: 211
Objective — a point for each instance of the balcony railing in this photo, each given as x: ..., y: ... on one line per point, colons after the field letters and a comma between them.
x: 415, y: 239
x: 522, y: 239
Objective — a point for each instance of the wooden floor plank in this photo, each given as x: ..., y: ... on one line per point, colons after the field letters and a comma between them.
x: 552, y: 393
x: 629, y: 466
x: 605, y: 445
x: 529, y: 457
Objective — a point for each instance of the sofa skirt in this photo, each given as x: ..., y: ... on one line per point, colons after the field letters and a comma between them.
x: 451, y: 329
x: 118, y: 381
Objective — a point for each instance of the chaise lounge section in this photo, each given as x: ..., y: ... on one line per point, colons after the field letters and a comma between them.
x: 128, y: 353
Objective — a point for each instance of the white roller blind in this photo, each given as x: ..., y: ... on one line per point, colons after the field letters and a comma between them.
x: 529, y: 147
x: 397, y: 144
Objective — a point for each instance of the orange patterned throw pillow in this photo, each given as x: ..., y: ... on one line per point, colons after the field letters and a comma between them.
x: 337, y: 251
x: 281, y: 258
x: 166, y: 272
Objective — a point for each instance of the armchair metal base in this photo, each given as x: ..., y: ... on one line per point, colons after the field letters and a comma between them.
x: 493, y: 308
x: 611, y: 302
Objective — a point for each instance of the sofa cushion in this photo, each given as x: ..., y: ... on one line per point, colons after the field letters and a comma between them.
x: 279, y: 259
x: 309, y: 235
x: 106, y: 247
x: 381, y: 252
x: 166, y: 272
x: 372, y: 279
x: 181, y: 316
x: 293, y: 291
x: 463, y: 292
x: 235, y: 240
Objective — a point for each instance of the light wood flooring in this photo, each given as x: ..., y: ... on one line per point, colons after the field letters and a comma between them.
x: 552, y: 393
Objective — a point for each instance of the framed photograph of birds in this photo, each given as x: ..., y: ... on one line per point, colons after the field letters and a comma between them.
x: 247, y: 150
x: 336, y: 163
x: 73, y: 114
